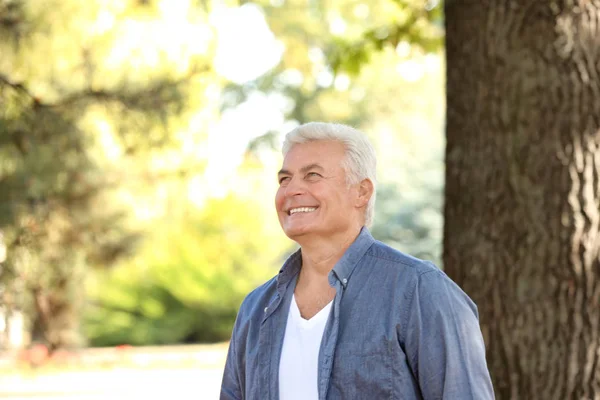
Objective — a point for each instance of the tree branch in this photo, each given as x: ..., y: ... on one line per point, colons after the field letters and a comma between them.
x: 130, y: 100
x: 19, y: 87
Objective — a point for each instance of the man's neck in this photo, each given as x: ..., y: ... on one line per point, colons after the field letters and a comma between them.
x: 319, y: 255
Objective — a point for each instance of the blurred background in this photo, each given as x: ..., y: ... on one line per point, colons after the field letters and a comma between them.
x: 139, y: 144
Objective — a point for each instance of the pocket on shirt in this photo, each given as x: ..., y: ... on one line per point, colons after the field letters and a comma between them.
x: 357, y: 374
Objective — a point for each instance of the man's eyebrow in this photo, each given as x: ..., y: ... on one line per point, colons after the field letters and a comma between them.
x: 303, y: 169
x: 311, y: 166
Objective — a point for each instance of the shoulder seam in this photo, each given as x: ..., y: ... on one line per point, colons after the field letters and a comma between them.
x: 411, y: 265
x: 390, y: 259
x: 435, y: 270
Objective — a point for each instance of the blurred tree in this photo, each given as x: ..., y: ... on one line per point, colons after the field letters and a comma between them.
x: 76, y: 87
x: 522, y: 189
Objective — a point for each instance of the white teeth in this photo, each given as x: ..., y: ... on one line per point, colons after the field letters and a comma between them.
x: 302, y: 209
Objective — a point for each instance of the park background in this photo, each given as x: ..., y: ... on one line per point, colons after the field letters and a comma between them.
x: 139, y: 147
x: 139, y: 144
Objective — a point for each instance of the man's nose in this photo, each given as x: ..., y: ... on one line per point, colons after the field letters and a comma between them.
x: 295, y: 186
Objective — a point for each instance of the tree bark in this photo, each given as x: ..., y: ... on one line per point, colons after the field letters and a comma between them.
x: 522, y: 220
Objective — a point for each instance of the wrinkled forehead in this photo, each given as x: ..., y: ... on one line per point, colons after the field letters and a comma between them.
x: 327, y: 154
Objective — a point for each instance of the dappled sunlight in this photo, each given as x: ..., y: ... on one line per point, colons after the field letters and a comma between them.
x: 149, y: 43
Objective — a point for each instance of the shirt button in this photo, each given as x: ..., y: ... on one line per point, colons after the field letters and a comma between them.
x: 344, y: 281
x: 266, y: 309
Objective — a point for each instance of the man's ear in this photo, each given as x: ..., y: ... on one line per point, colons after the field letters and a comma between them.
x: 365, y: 191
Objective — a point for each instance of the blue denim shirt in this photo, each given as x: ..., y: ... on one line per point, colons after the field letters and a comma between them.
x: 399, y: 328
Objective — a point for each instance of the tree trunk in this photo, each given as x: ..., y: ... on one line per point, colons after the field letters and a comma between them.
x: 522, y: 218
x: 56, y: 317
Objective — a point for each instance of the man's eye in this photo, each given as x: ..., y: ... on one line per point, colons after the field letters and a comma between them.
x: 313, y: 175
x: 283, y: 179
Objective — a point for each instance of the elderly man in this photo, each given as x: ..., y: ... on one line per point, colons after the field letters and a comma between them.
x: 348, y: 317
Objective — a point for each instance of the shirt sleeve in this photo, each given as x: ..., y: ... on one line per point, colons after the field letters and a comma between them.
x: 443, y: 341
x: 230, y: 386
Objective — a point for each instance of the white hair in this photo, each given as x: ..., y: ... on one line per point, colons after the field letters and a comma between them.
x: 360, y: 161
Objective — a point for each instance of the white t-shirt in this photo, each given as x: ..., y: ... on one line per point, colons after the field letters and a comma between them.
x: 298, y: 366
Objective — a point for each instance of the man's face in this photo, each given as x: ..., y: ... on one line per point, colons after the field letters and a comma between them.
x: 313, y: 196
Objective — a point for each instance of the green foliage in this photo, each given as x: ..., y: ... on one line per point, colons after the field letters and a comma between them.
x: 189, y: 279
x: 416, y: 22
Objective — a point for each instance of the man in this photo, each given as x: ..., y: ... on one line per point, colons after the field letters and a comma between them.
x: 348, y: 317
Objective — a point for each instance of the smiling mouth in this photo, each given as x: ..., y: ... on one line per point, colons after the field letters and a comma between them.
x: 301, y: 210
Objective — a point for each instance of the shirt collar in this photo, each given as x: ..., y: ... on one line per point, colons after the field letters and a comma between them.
x: 343, y: 268
x: 290, y: 268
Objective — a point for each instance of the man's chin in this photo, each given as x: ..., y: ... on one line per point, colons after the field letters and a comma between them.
x: 295, y: 232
